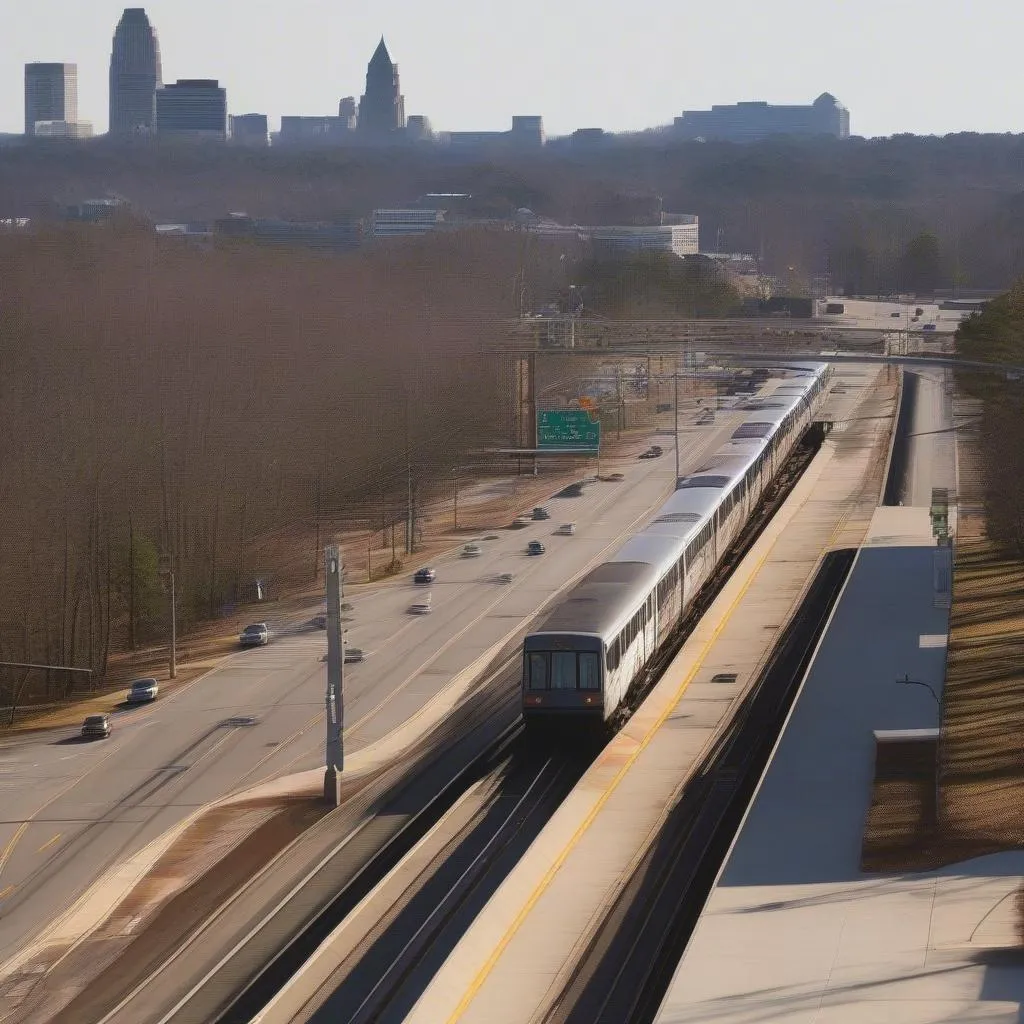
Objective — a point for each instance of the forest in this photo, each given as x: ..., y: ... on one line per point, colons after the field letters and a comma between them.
x: 876, y: 215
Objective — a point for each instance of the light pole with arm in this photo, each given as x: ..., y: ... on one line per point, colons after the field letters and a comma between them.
x: 907, y: 681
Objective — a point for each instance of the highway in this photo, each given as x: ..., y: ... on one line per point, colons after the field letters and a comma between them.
x: 73, y: 809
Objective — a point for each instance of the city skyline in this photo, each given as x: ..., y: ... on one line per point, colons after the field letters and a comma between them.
x: 598, y: 71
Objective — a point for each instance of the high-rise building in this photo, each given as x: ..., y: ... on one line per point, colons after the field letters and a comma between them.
x: 51, y: 94
x: 748, y: 122
x: 347, y: 112
x: 527, y: 130
x: 135, y: 75
x: 249, y: 129
x: 193, y: 108
x: 382, y: 106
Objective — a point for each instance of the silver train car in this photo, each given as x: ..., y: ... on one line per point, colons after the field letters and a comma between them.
x: 582, y: 658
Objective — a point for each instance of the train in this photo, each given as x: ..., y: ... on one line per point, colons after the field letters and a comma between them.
x: 581, y: 659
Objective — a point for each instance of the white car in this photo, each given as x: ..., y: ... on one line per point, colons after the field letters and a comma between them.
x: 421, y: 607
x: 472, y: 551
x: 567, y: 529
x: 142, y: 690
x: 255, y: 635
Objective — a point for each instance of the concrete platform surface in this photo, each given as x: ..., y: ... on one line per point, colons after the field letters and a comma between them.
x: 519, y: 951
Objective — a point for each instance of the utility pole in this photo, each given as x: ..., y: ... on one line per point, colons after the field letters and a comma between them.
x: 409, y: 517
x: 455, y: 506
x: 334, y: 752
x: 166, y: 567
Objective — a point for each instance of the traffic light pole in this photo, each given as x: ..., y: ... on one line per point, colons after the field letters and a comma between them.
x: 335, y: 699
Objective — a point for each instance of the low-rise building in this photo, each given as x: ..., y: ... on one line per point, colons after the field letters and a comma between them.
x: 390, y: 223
x: 249, y: 129
x: 63, y: 130
x: 680, y: 239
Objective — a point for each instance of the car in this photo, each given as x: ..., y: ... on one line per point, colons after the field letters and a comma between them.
x: 425, y: 575
x: 657, y: 449
x: 648, y: 454
x: 535, y: 548
x: 96, y: 727
x: 896, y: 314
x: 142, y: 690
x: 320, y: 620
x: 471, y: 550
x: 421, y: 607
x: 566, y: 530
x: 505, y: 577
x: 928, y: 327
x: 354, y: 654
x: 540, y: 512
x: 255, y: 635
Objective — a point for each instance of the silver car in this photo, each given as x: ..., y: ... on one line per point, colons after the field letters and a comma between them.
x: 143, y: 690
x: 256, y: 635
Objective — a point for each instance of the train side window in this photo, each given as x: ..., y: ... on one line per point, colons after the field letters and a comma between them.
x: 538, y: 671
x: 563, y: 670
x: 590, y: 672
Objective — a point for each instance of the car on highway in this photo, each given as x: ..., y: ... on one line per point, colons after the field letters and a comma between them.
x: 541, y: 512
x: 96, y: 727
x: 928, y: 327
x: 255, y: 635
x: 353, y: 655
x: 421, y: 607
x: 535, y: 548
x: 897, y: 313
x: 320, y: 620
x: 653, y: 452
x: 566, y: 530
x: 471, y: 550
x: 425, y: 575
x: 142, y: 690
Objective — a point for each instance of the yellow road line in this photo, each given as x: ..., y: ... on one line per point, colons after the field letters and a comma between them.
x: 542, y: 886
x: 49, y: 842
x: 6, y: 891
x: 8, y: 849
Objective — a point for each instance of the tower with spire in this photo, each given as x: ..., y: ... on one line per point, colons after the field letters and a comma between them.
x: 382, y: 106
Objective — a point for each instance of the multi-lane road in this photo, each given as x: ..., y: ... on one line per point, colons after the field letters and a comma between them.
x: 73, y: 809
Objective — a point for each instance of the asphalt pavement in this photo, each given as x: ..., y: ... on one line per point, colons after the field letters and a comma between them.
x: 71, y: 809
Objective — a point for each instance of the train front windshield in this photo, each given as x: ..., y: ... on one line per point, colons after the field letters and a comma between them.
x: 563, y: 670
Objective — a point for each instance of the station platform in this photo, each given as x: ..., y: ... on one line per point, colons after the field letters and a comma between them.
x: 519, y: 952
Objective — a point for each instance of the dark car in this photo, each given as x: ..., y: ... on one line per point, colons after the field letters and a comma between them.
x: 256, y: 635
x: 535, y: 548
x: 540, y: 512
x: 425, y: 575
x: 96, y: 727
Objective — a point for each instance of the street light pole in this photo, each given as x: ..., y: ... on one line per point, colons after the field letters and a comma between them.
x: 455, y: 509
x: 334, y: 752
x: 907, y: 681
x: 166, y: 568
x: 675, y: 382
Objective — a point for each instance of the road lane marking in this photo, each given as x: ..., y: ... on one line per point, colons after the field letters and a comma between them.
x: 542, y: 886
x: 49, y: 842
x: 6, y: 891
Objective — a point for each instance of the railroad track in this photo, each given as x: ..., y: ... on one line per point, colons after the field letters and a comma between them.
x: 629, y: 962
x: 420, y: 913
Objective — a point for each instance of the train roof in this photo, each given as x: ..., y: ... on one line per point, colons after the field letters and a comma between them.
x: 598, y: 603
x: 660, y: 550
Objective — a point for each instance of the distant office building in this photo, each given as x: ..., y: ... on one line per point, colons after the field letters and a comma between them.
x: 330, y: 236
x: 347, y: 112
x: 300, y: 130
x: 94, y: 211
x: 192, y: 108
x: 63, y: 130
x: 418, y: 129
x: 249, y: 129
x: 382, y: 106
x: 51, y: 94
x: 527, y: 132
x: 589, y: 137
x: 388, y: 223
x: 748, y: 122
x: 681, y: 239
x: 135, y: 75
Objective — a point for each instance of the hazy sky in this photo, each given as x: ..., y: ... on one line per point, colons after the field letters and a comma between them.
x: 924, y: 66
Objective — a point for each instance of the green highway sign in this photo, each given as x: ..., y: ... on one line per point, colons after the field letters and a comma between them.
x: 570, y: 428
